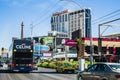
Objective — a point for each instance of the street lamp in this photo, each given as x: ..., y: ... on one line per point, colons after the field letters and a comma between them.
x: 54, y: 34
x: 90, y: 32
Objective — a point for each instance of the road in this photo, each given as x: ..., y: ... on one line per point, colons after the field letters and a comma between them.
x: 41, y: 74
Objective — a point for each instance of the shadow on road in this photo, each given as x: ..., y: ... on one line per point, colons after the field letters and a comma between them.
x: 50, y: 72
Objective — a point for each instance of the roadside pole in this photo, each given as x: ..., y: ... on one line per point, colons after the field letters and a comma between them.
x: 80, y: 53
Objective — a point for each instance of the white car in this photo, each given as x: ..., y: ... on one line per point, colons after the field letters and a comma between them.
x: 3, y: 66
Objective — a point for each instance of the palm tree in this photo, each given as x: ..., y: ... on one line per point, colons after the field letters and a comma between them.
x: 79, y: 47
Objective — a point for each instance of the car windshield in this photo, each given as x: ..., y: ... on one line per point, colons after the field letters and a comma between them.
x: 115, y: 66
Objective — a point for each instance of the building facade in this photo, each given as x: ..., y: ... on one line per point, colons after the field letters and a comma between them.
x: 80, y: 19
x: 59, y: 23
x: 66, y: 22
x: 110, y: 49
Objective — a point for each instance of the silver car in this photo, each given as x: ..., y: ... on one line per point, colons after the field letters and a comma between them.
x: 101, y: 71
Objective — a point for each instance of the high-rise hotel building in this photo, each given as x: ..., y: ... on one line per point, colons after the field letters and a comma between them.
x: 66, y: 22
x: 80, y: 19
x: 59, y: 23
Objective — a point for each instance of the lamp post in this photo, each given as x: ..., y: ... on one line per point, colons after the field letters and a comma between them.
x: 90, y: 32
x: 54, y: 34
x: 65, y: 49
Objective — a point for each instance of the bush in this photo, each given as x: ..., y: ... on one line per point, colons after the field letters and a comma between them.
x: 44, y: 64
x: 52, y: 64
x: 39, y: 64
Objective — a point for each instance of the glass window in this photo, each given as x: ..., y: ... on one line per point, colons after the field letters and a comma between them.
x: 92, y: 68
x: 52, y: 20
x: 99, y: 67
x: 115, y: 67
x: 65, y: 17
x: 62, y: 18
x: 56, y: 18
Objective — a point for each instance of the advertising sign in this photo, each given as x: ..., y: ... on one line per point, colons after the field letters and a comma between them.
x: 70, y: 43
x: 44, y: 44
x: 41, y: 47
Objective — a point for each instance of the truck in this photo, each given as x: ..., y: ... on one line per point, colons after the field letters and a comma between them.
x: 22, y: 55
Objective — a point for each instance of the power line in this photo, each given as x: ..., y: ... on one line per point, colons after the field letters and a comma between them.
x: 45, y: 11
x: 105, y: 16
x: 50, y: 10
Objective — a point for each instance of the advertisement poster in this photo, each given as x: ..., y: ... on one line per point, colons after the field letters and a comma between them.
x: 44, y: 45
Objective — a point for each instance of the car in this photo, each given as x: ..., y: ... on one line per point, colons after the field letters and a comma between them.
x: 101, y: 71
x: 65, y: 67
x: 1, y: 66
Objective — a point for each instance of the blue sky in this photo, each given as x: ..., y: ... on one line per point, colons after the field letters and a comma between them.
x: 38, y: 13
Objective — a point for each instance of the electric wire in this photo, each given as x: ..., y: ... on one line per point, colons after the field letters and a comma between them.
x: 46, y: 11
x: 47, y: 14
x: 103, y: 18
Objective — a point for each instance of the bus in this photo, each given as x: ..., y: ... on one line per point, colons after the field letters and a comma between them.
x: 22, y: 55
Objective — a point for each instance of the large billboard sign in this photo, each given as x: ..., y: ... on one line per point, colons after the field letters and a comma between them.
x: 44, y: 44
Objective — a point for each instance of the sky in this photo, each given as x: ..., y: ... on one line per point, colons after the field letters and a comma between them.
x: 37, y: 14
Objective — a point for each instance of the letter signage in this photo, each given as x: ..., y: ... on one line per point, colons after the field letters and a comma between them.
x: 70, y: 43
x: 23, y: 46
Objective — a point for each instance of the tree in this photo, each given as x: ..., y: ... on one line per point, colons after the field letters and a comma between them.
x: 79, y: 47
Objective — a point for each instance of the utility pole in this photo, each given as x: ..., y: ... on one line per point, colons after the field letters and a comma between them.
x: 22, y: 30
x: 99, y: 33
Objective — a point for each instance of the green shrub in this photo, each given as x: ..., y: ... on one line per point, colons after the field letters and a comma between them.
x: 44, y: 64
x: 52, y: 64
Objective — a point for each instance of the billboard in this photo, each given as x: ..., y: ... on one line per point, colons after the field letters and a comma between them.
x: 76, y: 34
x: 70, y: 43
x: 44, y: 44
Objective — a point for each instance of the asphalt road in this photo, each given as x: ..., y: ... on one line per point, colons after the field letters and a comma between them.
x: 41, y: 74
